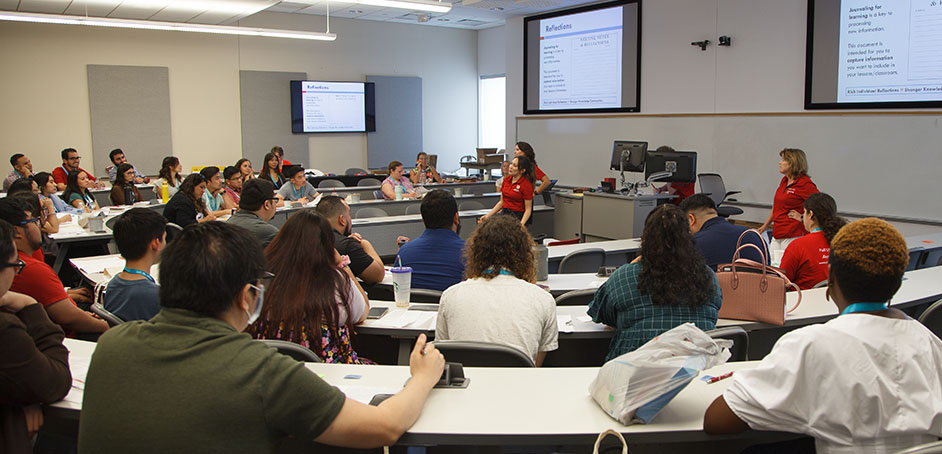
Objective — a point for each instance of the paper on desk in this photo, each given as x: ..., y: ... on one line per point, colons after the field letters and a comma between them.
x: 408, y: 319
x: 365, y: 393
x: 564, y: 323
x: 99, y: 264
x: 79, y: 368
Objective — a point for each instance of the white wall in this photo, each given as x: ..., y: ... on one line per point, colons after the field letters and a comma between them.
x: 43, y: 84
x: 492, y: 51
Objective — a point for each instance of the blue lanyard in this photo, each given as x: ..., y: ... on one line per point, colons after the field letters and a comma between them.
x: 140, y: 273
x: 65, y: 170
x: 87, y: 198
x: 213, y: 202
x: 502, y: 271
x: 816, y: 229
x: 864, y: 307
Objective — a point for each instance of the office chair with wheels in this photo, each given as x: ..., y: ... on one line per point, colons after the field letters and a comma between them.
x: 369, y: 182
x: 353, y: 171
x: 932, y: 318
x: 370, y: 212
x: 712, y: 185
x: 740, y: 338
x: 422, y: 295
x: 587, y: 260
x: 929, y: 448
x: 576, y: 297
x: 331, y: 184
x: 293, y: 350
x: 98, y: 307
x: 483, y: 354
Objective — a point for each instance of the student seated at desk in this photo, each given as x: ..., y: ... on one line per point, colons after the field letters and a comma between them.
x: 296, y: 188
x: 866, y: 381
x: 500, y: 302
x: 364, y: 260
x: 189, y: 379
x: 215, y: 203
x: 123, y: 190
x: 47, y: 191
x: 271, y: 170
x: 806, y: 258
x: 716, y: 237
x: 314, y: 300
x: 397, y: 179
x: 186, y: 207
x: 117, y: 159
x: 77, y: 194
x: 34, y: 364
x: 233, y: 186
x: 424, y: 173
x: 436, y: 255
x: 22, y: 168
x: 256, y: 208
x: 170, y: 169
x: 133, y: 294
x: 70, y: 163
x: 245, y: 169
x: 668, y: 285
x: 29, y: 190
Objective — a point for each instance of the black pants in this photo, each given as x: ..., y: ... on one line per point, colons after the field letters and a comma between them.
x: 517, y: 214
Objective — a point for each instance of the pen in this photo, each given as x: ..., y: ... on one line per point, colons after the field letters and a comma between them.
x: 716, y: 379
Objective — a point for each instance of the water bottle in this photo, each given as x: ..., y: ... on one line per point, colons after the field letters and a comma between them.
x: 164, y: 192
x: 398, y: 192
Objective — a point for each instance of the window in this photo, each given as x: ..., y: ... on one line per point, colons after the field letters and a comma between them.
x: 492, y: 111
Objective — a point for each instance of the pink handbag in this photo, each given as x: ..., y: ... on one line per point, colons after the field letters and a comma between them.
x: 754, y: 291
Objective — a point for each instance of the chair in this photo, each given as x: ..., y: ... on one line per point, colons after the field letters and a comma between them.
x: 98, y: 307
x: 414, y: 209
x: 293, y: 350
x: 173, y: 230
x: 483, y: 354
x: 712, y: 185
x: 932, y: 318
x: 378, y: 195
x: 370, y: 212
x: 353, y: 171
x: 929, y: 448
x: 740, y: 338
x: 587, y: 260
x: 369, y: 182
x: 422, y: 295
x: 331, y: 184
x: 111, y: 222
x: 930, y: 258
x: 576, y: 297
x: 823, y: 283
x: 915, y: 256
x: 470, y: 205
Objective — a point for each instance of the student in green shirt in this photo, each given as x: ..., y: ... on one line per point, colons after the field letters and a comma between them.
x: 190, y: 380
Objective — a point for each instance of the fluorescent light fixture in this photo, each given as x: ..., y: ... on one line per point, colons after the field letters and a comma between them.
x: 420, y: 5
x: 170, y: 26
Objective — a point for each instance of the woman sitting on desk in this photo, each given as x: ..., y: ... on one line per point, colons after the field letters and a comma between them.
x: 396, y: 178
x: 77, y: 193
x: 170, y: 170
x: 186, y: 206
x: 524, y: 149
x: 516, y: 194
x: 271, y: 170
x: 668, y: 285
x: 498, y: 301
x: 313, y: 300
x: 866, y: 381
x: 806, y: 260
x: 123, y: 191
x: 297, y: 188
x: 424, y: 173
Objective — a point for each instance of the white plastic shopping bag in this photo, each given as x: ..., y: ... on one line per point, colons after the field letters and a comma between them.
x: 635, y: 386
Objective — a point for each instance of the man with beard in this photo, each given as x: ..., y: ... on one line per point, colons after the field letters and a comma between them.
x: 364, y: 261
x: 435, y: 256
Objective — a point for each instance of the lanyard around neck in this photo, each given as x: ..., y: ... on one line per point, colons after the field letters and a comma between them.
x: 864, y: 307
x: 139, y: 273
x: 816, y: 229
x: 213, y: 202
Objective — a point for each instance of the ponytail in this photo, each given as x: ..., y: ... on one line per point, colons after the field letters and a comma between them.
x: 824, y: 210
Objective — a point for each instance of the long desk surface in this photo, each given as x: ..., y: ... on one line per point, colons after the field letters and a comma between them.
x: 500, y: 406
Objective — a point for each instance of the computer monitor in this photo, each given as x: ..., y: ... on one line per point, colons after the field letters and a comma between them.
x: 683, y: 164
x: 634, y: 162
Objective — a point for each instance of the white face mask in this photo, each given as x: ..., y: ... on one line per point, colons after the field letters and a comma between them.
x: 259, y: 299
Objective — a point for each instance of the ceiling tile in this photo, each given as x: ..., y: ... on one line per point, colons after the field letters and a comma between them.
x: 43, y: 6
x: 100, y: 8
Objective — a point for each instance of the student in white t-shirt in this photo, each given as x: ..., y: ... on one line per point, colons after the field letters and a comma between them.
x: 866, y: 381
x: 499, y: 302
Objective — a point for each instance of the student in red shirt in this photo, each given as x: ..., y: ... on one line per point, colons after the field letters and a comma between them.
x: 516, y: 194
x: 524, y: 149
x: 70, y: 161
x: 681, y: 190
x: 806, y: 260
x: 789, y: 200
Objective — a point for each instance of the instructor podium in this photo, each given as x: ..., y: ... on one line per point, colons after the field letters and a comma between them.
x: 616, y: 216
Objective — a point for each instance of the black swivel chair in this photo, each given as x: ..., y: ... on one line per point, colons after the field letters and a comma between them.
x: 740, y: 338
x: 712, y: 185
x: 587, y: 260
x: 293, y: 350
x: 576, y: 297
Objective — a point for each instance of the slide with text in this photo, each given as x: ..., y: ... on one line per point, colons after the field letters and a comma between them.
x: 333, y: 106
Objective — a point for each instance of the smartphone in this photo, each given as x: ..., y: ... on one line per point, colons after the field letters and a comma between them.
x: 377, y: 312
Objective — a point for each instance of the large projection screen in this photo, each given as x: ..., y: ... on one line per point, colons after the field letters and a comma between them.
x: 873, y: 54
x: 583, y: 60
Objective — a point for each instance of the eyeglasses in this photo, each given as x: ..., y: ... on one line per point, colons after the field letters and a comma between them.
x: 18, y: 265
x: 73, y: 158
x: 28, y: 221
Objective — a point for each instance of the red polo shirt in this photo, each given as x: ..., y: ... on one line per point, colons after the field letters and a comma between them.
x: 806, y: 260
x: 790, y: 197
x: 61, y: 176
x: 538, y: 173
x: 682, y: 191
x: 515, y: 193
x: 39, y: 281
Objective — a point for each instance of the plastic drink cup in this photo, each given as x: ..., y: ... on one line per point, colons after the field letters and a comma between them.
x: 459, y: 192
x: 402, y: 284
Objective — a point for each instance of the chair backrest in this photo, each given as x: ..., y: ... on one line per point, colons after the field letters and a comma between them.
x: 582, y: 261
x: 929, y: 448
x: 370, y: 212
x: 932, y: 318
x: 369, y: 182
x: 353, y: 171
x: 422, y: 295
x: 414, y: 209
x: 740, y: 338
x: 470, y: 205
x: 576, y: 297
x: 823, y: 283
x: 331, y: 184
x: 173, y: 229
x: 98, y: 307
x: 483, y: 354
x: 712, y: 185
x: 915, y: 256
x: 930, y: 258
x: 111, y: 222
x: 378, y: 195
x: 293, y: 350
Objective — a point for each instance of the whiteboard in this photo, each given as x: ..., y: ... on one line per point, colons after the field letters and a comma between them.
x: 879, y: 164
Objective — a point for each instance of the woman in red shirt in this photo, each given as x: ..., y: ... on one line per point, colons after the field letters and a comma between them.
x: 516, y: 194
x: 806, y: 260
x: 524, y: 149
x: 789, y: 200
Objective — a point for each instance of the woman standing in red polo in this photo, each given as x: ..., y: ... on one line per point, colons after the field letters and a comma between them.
x: 516, y: 194
x: 789, y: 201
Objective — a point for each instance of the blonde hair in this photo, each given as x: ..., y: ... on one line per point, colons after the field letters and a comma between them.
x: 797, y: 161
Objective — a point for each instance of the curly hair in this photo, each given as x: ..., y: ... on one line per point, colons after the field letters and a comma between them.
x: 500, y: 243
x: 673, y: 271
x: 824, y: 212
x: 868, y: 259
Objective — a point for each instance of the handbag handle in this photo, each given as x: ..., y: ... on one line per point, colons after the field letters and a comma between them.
x: 774, y: 270
x: 764, y: 253
x: 598, y: 441
x: 764, y: 282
